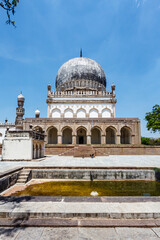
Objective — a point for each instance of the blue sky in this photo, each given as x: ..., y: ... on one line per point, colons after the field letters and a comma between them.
x: 122, y: 35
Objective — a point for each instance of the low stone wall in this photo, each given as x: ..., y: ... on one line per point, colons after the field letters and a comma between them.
x: 56, y: 150
x: 110, y: 150
x: 8, y: 179
x: 86, y: 174
x: 130, y: 150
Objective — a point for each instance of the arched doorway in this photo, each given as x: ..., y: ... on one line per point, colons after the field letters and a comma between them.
x: 67, y: 136
x: 95, y: 136
x: 125, y: 135
x: 52, y: 136
x: 110, y: 135
x: 81, y: 136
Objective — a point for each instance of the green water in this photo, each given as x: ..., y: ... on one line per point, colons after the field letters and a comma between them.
x: 84, y: 188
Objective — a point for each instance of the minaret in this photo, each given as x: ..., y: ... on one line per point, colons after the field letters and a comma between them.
x: 20, y: 111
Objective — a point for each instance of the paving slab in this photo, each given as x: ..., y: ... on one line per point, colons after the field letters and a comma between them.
x: 41, y: 233
x: 29, y: 233
x: 102, y: 161
x: 94, y: 233
x: 8, y: 233
x: 59, y: 234
x: 136, y: 234
x: 157, y: 231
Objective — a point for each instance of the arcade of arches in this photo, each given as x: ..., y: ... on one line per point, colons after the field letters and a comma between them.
x: 95, y: 136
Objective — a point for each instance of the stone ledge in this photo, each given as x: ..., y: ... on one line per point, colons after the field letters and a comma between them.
x: 54, y: 222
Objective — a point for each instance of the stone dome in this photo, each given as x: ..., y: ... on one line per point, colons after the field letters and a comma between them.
x: 80, y: 68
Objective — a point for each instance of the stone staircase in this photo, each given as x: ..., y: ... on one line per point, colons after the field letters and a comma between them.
x: 83, y: 151
x: 69, y: 152
x: 23, y: 176
x: 99, y: 152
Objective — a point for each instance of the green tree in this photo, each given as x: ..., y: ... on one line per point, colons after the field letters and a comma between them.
x: 9, y: 6
x: 153, y: 119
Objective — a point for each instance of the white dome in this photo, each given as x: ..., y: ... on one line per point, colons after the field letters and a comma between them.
x: 20, y: 97
x: 37, y: 112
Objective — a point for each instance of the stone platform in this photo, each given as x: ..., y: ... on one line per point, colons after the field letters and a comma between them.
x: 116, y: 161
x: 81, y: 207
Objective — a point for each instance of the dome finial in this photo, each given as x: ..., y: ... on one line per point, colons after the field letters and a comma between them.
x: 81, y: 52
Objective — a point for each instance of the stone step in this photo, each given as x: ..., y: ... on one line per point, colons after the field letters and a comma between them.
x: 84, y: 151
x: 90, y: 210
x: 62, y: 222
x: 23, y: 176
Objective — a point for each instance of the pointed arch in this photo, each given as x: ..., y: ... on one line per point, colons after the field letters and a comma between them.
x: 81, y: 135
x: 126, y: 135
x: 38, y: 129
x: 106, y: 113
x: 93, y: 113
x: 96, y: 135
x: 68, y: 113
x: 110, y: 135
x: 81, y: 113
x: 56, y: 113
x: 67, y: 135
x: 52, y: 135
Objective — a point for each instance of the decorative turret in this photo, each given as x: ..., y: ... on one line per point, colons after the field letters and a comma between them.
x: 113, y: 88
x: 37, y: 113
x: 20, y: 111
x: 49, y: 89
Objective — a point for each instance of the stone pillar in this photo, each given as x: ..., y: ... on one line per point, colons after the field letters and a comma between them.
x: 88, y: 139
x: 74, y: 139
x: 34, y: 152
x: 59, y: 139
x: 103, y: 139
x: 118, y: 140
x: 100, y: 115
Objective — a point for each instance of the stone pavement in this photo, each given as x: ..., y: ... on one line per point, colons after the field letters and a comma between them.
x: 102, y: 161
x: 61, y: 209
x: 80, y: 233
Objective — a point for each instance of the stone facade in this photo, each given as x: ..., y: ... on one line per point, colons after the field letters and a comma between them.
x: 88, y: 130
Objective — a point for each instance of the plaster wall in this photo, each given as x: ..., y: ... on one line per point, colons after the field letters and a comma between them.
x: 17, y: 148
x: 3, y: 128
x: 2, y: 133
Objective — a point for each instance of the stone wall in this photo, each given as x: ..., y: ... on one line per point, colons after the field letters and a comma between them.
x: 97, y: 174
x: 114, y: 150
x: 7, y: 180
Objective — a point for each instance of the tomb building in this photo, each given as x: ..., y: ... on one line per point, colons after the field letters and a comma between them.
x: 82, y: 110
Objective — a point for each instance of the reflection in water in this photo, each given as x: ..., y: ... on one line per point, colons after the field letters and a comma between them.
x: 94, y: 193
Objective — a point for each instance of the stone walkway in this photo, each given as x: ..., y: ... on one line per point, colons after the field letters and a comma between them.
x: 61, y: 209
x: 109, y: 161
x: 79, y: 233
